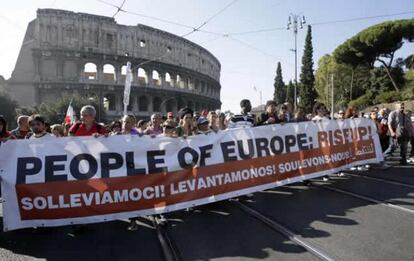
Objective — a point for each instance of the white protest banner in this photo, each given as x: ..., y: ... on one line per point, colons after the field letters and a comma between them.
x: 76, y: 180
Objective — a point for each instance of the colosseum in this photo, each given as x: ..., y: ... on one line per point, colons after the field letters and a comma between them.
x: 65, y: 52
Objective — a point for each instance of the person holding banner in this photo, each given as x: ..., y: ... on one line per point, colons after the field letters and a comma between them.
x: 23, y: 127
x: 269, y: 116
x: 128, y: 123
x: 4, y: 133
x: 186, y: 123
x: 88, y: 125
x: 245, y: 119
x: 38, y: 126
x: 155, y: 128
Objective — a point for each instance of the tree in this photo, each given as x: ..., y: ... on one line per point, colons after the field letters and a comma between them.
x: 7, y: 109
x: 290, y: 92
x: 348, y: 82
x: 279, y: 95
x: 377, y: 43
x: 55, y: 112
x: 409, y: 62
x: 307, y: 92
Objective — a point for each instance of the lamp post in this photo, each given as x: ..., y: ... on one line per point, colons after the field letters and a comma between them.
x: 295, y: 22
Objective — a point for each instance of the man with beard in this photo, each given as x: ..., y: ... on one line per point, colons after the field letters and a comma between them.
x: 37, y: 124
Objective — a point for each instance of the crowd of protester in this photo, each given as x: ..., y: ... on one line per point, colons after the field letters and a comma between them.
x: 395, y: 128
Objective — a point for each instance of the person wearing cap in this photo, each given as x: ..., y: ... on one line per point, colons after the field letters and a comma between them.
x: 186, y: 123
x: 269, y: 116
x: 203, y: 126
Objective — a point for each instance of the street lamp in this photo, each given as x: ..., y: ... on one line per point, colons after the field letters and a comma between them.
x: 295, y: 22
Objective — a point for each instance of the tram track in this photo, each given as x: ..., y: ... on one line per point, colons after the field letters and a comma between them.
x: 297, y: 239
x: 389, y: 181
x: 169, y: 250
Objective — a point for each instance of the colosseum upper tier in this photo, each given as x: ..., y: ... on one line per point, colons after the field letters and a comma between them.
x: 65, y: 52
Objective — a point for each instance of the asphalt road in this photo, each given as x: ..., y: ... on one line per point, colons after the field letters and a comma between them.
x: 362, y: 216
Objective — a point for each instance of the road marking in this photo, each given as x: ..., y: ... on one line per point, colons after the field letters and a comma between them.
x: 286, y: 232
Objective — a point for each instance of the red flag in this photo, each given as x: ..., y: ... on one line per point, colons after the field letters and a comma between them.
x: 70, y: 115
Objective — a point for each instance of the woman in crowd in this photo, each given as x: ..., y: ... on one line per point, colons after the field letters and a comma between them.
x: 300, y: 115
x: 141, y: 127
x: 128, y: 125
x: 115, y: 127
x: 155, y: 127
x: 284, y: 115
x: 213, y: 121
x: 186, y: 127
x: 320, y: 112
x: 169, y: 129
x: 4, y: 133
x: 57, y: 130
x: 222, y: 121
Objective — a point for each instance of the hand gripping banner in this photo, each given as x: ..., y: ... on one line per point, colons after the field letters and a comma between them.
x: 76, y: 180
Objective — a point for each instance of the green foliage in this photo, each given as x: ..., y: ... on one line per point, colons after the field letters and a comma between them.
x: 290, y: 92
x: 388, y: 97
x: 55, y: 112
x: 7, y: 109
x: 362, y: 101
x: 279, y: 95
x: 377, y: 43
x: 307, y: 92
x: 380, y: 40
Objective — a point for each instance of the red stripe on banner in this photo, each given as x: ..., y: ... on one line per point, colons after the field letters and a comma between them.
x: 69, y: 199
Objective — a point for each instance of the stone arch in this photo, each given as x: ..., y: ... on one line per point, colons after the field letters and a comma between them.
x: 179, y: 81
x: 180, y: 104
x: 109, y: 72
x: 170, y: 105
x: 156, y: 104
x: 168, y: 79
x: 143, y: 103
x: 142, y: 76
x: 156, y: 78
x: 90, y: 71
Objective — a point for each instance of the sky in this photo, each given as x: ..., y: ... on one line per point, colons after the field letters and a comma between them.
x: 247, y: 60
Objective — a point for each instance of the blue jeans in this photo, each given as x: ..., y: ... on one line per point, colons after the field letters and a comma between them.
x: 394, y: 143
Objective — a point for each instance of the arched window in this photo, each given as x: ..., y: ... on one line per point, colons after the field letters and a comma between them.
x: 179, y: 81
x: 168, y: 79
x: 109, y: 72
x: 109, y: 102
x: 156, y: 104
x: 143, y: 103
x: 123, y: 73
x: 90, y: 72
x: 156, y: 78
x: 190, y: 84
x: 142, y: 76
